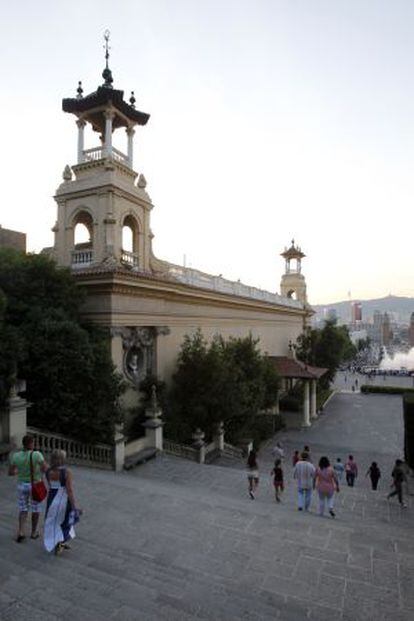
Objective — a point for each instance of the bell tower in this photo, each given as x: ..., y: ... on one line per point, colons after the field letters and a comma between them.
x: 293, y: 284
x: 102, y: 195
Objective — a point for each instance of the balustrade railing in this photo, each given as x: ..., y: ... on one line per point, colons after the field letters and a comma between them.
x: 80, y: 258
x: 130, y: 258
x: 99, y: 153
x: 96, y: 455
x: 233, y: 451
x: 196, y: 278
x: 180, y: 450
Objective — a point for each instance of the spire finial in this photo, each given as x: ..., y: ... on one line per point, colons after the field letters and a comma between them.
x: 107, y: 74
x: 107, y: 34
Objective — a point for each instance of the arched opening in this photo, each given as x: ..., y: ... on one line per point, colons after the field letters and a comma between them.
x: 292, y: 294
x: 82, y: 235
x: 130, y: 232
x: 83, y: 230
x: 82, y: 253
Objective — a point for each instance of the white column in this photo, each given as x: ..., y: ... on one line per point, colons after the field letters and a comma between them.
x: 306, y: 417
x: 130, y: 133
x: 81, y: 139
x: 313, y: 400
x: 108, y: 133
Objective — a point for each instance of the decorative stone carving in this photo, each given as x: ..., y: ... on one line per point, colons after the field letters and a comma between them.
x: 142, y: 182
x: 139, y: 350
x: 67, y: 173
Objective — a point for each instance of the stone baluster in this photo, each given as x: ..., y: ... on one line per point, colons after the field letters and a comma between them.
x: 199, y: 444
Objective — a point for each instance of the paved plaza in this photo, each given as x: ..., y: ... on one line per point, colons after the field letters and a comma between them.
x: 178, y: 541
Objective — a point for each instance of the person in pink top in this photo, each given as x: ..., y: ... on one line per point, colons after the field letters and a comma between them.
x: 326, y: 483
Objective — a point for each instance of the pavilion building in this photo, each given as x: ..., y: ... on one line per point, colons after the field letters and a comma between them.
x: 147, y: 304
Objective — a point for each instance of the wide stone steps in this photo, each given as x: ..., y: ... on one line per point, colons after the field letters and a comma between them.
x: 180, y: 541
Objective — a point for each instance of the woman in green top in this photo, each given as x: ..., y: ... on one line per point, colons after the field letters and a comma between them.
x: 20, y: 465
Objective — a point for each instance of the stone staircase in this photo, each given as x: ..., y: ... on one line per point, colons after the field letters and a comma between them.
x: 181, y: 541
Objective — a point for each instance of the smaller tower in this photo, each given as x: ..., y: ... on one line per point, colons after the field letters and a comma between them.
x: 293, y: 284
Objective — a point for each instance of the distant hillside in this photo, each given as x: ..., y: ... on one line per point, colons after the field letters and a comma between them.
x: 392, y: 303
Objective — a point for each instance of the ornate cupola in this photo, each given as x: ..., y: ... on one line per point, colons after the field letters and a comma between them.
x: 293, y: 283
x: 99, y: 193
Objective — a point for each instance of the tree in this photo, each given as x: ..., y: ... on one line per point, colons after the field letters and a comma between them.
x: 327, y: 348
x: 229, y: 381
x: 71, y: 381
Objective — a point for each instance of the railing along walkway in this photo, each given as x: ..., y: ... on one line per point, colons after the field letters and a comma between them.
x: 94, y: 455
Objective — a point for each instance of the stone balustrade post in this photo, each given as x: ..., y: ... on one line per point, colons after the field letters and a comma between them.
x: 119, y: 441
x: 219, y: 436
x: 153, y: 425
x: 199, y: 444
x: 14, y: 416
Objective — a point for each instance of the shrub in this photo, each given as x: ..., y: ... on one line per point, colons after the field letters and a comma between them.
x: 386, y: 390
x: 408, y: 405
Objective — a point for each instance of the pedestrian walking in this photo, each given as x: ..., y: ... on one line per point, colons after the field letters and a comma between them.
x: 398, y: 478
x: 304, y: 473
x: 61, y: 511
x: 295, y: 458
x: 339, y: 469
x: 374, y: 474
x: 278, y: 452
x: 252, y: 474
x: 326, y: 484
x: 277, y: 474
x: 29, y: 466
x: 306, y: 449
x: 351, y: 471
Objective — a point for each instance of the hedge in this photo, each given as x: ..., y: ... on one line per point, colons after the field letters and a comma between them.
x: 408, y: 405
x: 386, y: 390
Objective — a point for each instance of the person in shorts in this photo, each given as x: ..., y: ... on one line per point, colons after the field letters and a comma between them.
x: 20, y: 465
x: 252, y: 473
x: 277, y: 474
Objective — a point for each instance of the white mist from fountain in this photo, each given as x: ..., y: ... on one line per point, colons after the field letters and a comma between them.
x: 398, y: 360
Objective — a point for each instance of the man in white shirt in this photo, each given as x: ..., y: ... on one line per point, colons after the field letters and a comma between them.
x: 304, y: 473
x: 278, y: 452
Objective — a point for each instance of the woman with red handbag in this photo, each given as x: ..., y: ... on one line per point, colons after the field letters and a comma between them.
x: 29, y: 465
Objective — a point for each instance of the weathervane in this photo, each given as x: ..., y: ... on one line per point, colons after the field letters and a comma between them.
x: 107, y: 74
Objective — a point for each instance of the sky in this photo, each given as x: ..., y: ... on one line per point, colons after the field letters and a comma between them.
x: 270, y: 120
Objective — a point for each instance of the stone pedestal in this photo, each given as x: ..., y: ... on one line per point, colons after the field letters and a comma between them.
x: 13, y: 420
x: 153, y: 425
x: 219, y: 437
x: 198, y: 443
x: 119, y: 453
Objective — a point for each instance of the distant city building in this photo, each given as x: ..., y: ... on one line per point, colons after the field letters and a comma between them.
x: 411, y: 331
x: 12, y: 239
x: 356, y: 312
x: 386, y: 330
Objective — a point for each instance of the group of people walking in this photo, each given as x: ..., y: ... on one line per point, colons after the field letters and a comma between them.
x: 324, y: 478
x: 61, y: 512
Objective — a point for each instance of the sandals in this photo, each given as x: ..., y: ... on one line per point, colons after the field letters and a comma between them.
x: 35, y: 536
x: 20, y: 538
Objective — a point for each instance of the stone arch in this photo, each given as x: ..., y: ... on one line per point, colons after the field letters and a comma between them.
x: 82, y: 225
x: 292, y: 294
x: 130, y: 233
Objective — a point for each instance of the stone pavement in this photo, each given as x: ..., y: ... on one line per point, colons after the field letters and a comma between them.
x: 178, y: 541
